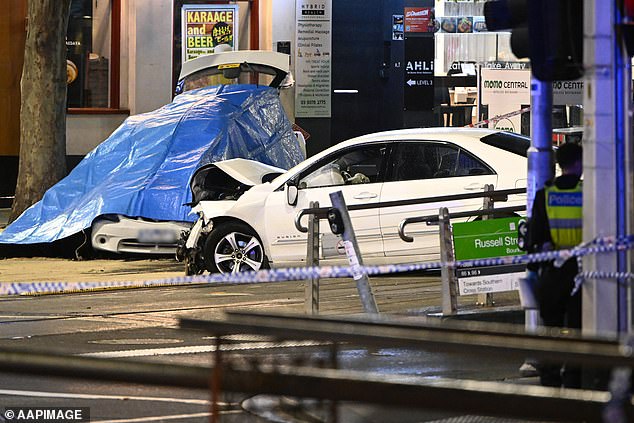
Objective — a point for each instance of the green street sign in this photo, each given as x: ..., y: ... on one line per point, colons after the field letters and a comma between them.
x: 486, y: 238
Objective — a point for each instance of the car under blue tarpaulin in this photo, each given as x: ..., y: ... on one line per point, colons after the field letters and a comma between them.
x: 144, y: 167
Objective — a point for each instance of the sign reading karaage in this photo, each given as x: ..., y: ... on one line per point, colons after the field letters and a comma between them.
x: 208, y: 29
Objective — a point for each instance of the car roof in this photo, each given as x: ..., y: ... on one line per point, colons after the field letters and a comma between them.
x: 460, y: 136
x: 442, y: 133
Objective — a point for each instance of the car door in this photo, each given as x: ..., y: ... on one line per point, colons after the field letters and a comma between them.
x: 358, y: 172
x: 427, y: 169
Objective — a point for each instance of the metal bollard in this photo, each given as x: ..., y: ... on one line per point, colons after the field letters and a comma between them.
x: 312, y: 259
x: 354, y: 255
x: 486, y: 300
x: 447, y: 273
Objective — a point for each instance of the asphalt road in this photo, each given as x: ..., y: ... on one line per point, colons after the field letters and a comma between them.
x: 142, y: 325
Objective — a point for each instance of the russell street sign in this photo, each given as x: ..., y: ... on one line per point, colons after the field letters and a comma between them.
x: 485, y: 239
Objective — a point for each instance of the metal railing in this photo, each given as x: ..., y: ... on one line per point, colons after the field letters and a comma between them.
x: 477, y: 397
x: 496, y: 196
x: 433, y: 219
x: 449, y: 302
x: 520, y: 401
x: 447, y: 255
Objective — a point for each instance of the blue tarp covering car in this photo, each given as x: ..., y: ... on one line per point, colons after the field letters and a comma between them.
x: 144, y: 167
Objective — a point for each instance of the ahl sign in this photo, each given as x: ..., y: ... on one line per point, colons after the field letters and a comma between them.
x: 419, y: 72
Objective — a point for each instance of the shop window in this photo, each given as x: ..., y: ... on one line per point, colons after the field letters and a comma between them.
x: 462, y: 36
x: 92, y: 53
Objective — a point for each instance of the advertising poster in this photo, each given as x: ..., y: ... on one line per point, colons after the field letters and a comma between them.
x: 312, y: 58
x: 505, y: 91
x: 465, y: 24
x: 462, y: 24
x: 449, y: 24
x: 419, y: 19
x: 397, y: 27
x: 208, y: 29
x: 479, y: 24
x: 419, y: 73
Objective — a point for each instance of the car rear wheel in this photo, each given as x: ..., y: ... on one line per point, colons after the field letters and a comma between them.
x: 233, y: 248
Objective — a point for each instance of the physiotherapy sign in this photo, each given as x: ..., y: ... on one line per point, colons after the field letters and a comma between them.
x: 487, y: 239
x: 312, y: 58
x: 208, y: 29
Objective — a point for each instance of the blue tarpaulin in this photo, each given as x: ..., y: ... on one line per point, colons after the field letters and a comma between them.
x: 143, y: 169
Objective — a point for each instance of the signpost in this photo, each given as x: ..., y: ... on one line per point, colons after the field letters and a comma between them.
x: 487, y: 239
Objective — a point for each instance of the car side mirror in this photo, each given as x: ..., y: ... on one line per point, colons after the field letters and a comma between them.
x: 291, y: 193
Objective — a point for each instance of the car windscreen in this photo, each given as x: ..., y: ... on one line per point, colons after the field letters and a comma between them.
x: 239, y: 73
x: 507, y: 141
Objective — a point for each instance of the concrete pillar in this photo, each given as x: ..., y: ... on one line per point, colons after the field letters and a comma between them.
x: 540, y: 159
x: 603, y: 141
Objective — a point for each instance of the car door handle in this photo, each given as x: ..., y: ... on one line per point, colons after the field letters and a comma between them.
x: 365, y: 196
x: 474, y: 187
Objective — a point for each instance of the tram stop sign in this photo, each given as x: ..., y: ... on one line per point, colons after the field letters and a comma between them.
x: 483, y: 239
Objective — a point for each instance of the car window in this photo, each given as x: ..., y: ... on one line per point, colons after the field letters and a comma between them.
x: 507, y: 141
x: 210, y: 77
x: 414, y: 161
x: 427, y: 160
x: 357, y: 166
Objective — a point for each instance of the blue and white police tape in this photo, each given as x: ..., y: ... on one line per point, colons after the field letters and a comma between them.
x: 598, y: 246
x: 620, y: 277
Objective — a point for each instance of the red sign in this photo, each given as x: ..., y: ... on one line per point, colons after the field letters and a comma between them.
x: 419, y: 19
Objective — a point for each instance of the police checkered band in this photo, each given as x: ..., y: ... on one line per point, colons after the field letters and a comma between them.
x: 598, y: 246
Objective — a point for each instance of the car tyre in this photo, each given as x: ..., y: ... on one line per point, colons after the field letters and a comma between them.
x: 193, y: 264
x: 234, y: 247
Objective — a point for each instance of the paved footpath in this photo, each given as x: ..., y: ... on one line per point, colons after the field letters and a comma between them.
x: 401, y: 294
x: 395, y: 294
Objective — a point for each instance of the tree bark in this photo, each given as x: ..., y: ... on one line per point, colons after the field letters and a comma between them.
x: 43, y: 104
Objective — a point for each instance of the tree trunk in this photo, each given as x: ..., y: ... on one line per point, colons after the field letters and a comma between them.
x: 43, y: 105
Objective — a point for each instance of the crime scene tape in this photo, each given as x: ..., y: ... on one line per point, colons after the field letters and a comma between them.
x: 599, y: 246
x: 498, y: 118
x: 605, y: 275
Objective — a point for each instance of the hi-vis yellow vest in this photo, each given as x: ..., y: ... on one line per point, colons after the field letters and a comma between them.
x: 565, y: 215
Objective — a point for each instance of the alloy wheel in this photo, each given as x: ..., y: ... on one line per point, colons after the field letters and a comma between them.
x: 238, y: 252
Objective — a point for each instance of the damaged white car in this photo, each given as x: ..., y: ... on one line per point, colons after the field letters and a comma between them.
x: 246, y: 210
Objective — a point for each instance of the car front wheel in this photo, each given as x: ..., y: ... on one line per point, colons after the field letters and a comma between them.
x: 233, y: 248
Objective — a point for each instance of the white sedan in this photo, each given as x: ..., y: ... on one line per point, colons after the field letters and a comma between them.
x: 248, y: 224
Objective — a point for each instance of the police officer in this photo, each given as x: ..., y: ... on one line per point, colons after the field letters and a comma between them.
x: 556, y: 223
